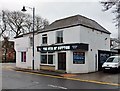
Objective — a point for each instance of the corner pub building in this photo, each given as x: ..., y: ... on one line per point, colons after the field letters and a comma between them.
x: 70, y: 44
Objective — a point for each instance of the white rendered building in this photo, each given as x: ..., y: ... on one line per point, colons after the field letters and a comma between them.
x: 71, y: 44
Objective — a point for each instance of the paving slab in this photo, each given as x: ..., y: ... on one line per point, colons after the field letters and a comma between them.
x: 100, y: 76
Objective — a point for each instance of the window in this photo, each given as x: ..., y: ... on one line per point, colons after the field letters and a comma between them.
x: 44, y: 39
x: 44, y: 59
x: 47, y: 59
x: 78, y: 58
x: 50, y: 59
x: 23, y: 56
x: 59, y: 36
x: 31, y: 41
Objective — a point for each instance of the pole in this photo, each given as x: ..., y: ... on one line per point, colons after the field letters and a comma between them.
x: 33, y: 36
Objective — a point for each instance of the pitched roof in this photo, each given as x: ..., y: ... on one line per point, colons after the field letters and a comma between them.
x: 74, y: 21
x: 70, y: 22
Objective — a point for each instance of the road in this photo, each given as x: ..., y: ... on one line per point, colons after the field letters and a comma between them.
x: 20, y: 80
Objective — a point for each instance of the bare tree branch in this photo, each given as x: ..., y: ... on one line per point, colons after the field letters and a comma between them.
x: 18, y: 23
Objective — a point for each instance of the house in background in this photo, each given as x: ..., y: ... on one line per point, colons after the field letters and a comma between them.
x: 115, y: 44
x: 7, y: 51
x: 72, y: 44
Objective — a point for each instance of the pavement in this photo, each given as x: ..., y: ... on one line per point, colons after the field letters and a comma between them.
x: 96, y: 77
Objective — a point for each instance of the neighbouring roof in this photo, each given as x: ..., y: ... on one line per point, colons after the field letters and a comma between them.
x: 117, y: 47
x: 74, y: 21
x: 115, y: 39
x: 35, y: 32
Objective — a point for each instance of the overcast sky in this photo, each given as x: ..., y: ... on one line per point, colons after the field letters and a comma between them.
x: 57, y: 9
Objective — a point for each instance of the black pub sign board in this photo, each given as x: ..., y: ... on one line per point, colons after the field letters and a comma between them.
x: 63, y: 47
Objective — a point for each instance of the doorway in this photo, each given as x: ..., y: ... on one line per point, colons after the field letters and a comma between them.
x: 62, y: 61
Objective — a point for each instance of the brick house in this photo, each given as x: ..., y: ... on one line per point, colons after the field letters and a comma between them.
x: 7, y: 51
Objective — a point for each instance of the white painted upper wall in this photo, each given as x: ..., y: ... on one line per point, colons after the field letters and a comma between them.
x: 96, y: 39
x: 70, y: 35
x: 22, y: 42
x: 80, y: 34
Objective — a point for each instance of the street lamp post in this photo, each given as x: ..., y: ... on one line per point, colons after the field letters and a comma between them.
x: 32, y: 32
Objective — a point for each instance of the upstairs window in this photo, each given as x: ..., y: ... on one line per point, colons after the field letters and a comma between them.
x: 59, y: 36
x: 44, y: 39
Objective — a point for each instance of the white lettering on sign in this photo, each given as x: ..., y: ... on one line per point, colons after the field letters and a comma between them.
x: 50, y: 48
x: 45, y: 48
x: 55, y: 48
x: 68, y: 47
x: 63, y: 47
x: 74, y: 47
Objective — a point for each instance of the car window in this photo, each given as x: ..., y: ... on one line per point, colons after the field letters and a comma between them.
x: 110, y: 59
x: 115, y: 60
x: 118, y: 59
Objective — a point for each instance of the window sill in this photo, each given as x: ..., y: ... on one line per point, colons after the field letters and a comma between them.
x: 78, y: 64
x: 23, y: 62
x: 44, y: 44
x: 47, y: 64
x: 60, y: 43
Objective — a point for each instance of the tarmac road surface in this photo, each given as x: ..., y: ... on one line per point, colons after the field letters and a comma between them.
x: 20, y: 80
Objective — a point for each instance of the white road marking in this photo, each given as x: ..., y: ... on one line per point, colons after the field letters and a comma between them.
x: 35, y: 82
x: 57, y: 87
x: 62, y: 87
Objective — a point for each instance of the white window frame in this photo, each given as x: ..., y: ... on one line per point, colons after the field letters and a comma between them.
x: 57, y: 35
x: 22, y: 60
x: 44, y: 35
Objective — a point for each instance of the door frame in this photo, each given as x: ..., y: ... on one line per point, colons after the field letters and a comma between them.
x: 64, y: 68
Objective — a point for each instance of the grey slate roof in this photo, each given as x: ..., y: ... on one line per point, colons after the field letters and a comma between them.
x: 74, y: 21
x: 70, y: 22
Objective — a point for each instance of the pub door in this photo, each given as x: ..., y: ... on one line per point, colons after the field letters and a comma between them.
x: 62, y: 61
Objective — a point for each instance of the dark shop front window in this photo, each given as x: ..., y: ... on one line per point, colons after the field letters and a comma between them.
x: 50, y: 59
x: 44, y: 59
x: 78, y: 57
x: 47, y: 59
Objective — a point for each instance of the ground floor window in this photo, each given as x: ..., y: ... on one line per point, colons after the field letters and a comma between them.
x: 44, y: 59
x: 47, y: 59
x: 23, y: 56
x: 78, y: 57
x: 50, y: 59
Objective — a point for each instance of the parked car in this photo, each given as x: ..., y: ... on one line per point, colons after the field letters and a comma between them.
x: 112, y: 64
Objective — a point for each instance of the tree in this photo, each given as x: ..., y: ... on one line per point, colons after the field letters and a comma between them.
x: 115, y: 5
x: 16, y: 23
x: 112, y: 4
x: 3, y: 24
